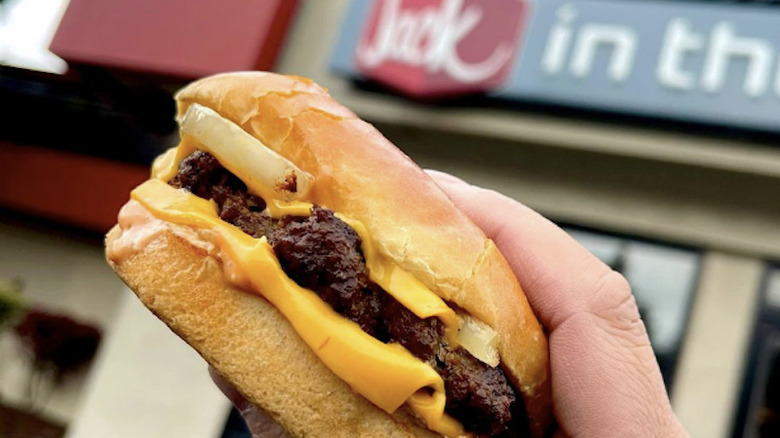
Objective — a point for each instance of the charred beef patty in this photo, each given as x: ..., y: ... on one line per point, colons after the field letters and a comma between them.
x: 322, y: 253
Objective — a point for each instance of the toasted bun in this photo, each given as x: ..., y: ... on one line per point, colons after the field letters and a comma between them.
x: 248, y: 342
x: 362, y: 175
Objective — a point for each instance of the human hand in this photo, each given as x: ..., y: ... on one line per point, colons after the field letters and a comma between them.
x: 605, y: 378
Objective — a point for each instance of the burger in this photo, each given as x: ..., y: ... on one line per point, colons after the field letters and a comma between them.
x: 324, y: 275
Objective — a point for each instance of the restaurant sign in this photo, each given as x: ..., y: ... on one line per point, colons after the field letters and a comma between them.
x: 435, y: 47
x: 698, y: 61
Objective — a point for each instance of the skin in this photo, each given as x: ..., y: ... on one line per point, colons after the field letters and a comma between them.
x: 605, y: 378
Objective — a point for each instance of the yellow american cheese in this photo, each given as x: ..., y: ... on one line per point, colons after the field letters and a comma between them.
x: 385, y: 374
x: 401, y: 284
x: 166, y: 165
x: 404, y: 286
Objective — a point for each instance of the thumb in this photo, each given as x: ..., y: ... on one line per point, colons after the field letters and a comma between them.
x: 605, y: 379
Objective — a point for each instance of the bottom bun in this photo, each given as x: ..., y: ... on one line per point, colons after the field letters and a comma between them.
x: 249, y: 343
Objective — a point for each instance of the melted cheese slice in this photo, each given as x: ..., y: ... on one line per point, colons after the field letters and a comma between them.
x: 385, y: 374
x: 399, y: 283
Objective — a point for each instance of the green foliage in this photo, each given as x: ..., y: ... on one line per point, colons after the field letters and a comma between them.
x: 12, y: 304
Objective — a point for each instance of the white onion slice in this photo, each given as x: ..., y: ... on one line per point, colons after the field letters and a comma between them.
x: 479, y: 340
x: 263, y: 170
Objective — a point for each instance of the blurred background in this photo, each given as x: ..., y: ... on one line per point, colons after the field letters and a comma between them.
x: 648, y: 129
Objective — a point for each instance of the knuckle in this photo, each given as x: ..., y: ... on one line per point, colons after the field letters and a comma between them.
x: 620, y: 312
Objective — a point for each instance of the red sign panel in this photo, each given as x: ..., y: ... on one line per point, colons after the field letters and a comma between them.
x: 182, y: 38
x: 438, y: 47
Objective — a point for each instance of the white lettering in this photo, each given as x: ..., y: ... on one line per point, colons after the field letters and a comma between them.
x: 429, y: 38
x: 678, y: 42
x: 724, y: 46
x: 408, y: 37
x: 385, y: 36
x: 591, y: 36
x: 559, y: 40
